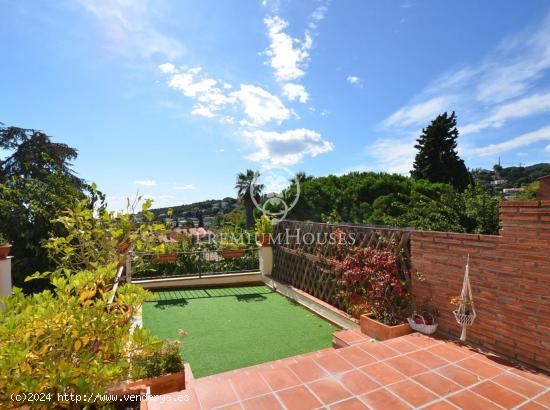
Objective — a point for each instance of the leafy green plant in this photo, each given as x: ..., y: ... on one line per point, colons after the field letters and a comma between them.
x: 263, y: 225
x: 529, y: 192
x: 157, y: 358
x: 3, y: 240
x: 69, y: 339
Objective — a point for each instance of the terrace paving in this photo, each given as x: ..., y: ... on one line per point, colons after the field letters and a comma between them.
x: 413, y: 371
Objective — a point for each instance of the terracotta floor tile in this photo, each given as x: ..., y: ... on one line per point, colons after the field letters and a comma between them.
x: 494, y: 360
x: 280, y: 378
x: 351, y: 404
x: 214, y: 393
x: 498, y: 394
x: 440, y: 405
x: 459, y: 375
x: 480, y: 368
x: 267, y: 402
x: 532, y: 406
x: 382, y: 373
x: 379, y: 350
x: 448, y: 352
x: 234, y: 406
x: 437, y: 383
x: 334, y: 363
x: 544, y: 399
x: 358, y: 382
x: 307, y: 370
x: 298, y: 398
x: 535, y: 377
x: 427, y: 359
x: 329, y: 391
x: 187, y: 400
x: 470, y: 401
x: 420, y: 340
x: 384, y: 400
x: 349, y: 336
x: 249, y: 385
x: 406, y: 366
x: 401, y: 345
x: 412, y: 393
x: 519, y: 385
x: 356, y: 356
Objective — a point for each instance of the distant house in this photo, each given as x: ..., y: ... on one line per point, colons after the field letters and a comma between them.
x: 198, y: 234
x: 510, y: 192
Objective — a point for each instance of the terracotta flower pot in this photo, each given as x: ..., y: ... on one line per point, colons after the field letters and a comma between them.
x: 381, y: 331
x: 167, y: 257
x: 265, y: 239
x: 233, y: 253
x: 167, y: 383
x: 5, y: 250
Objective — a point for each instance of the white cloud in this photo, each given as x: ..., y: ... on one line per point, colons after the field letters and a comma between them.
x: 221, y: 150
x: 524, y: 107
x: 317, y: 15
x: 417, y: 114
x: 128, y: 29
x: 355, y: 81
x: 146, y: 182
x: 288, y: 147
x: 288, y: 56
x: 547, y: 149
x: 542, y: 134
x: 194, y: 83
x: 184, y: 187
x: 202, y: 111
x: 167, y: 68
x: 261, y: 106
x: 391, y: 155
x: 295, y: 92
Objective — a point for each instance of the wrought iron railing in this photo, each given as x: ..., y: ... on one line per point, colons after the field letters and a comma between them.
x: 194, y: 263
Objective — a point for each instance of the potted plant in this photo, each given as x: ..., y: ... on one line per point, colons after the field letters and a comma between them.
x: 167, y: 253
x: 264, y: 228
x: 424, y: 319
x: 160, y: 368
x: 233, y: 250
x: 5, y: 247
x: 371, y: 277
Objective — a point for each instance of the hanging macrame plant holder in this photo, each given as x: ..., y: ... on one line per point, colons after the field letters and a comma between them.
x: 465, y: 314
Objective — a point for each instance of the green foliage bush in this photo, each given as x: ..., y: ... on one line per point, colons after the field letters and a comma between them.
x: 157, y: 358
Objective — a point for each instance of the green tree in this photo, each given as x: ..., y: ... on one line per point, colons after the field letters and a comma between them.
x: 437, y: 159
x: 36, y: 182
x: 243, y: 186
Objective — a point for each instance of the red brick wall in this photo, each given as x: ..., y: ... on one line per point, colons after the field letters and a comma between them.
x: 510, y: 278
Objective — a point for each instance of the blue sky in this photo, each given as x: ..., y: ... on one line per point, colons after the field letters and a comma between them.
x: 175, y: 98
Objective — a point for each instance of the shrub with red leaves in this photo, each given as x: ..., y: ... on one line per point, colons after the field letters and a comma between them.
x: 370, y: 282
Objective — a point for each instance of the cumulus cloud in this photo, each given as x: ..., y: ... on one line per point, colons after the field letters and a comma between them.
x: 146, y: 182
x: 261, y: 106
x: 288, y: 147
x: 295, y: 92
x: 194, y: 83
x: 354, y: 80
x: 288, y: 56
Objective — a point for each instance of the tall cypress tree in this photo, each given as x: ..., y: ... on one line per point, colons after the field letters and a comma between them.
x: 437, y: 159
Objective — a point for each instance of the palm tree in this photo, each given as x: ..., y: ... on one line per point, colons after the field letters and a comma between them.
x: 242, y: 185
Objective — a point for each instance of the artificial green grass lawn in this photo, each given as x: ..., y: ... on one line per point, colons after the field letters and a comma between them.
x: 233, y: 327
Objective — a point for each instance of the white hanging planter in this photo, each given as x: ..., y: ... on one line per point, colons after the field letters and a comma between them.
x: 465, y: 314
